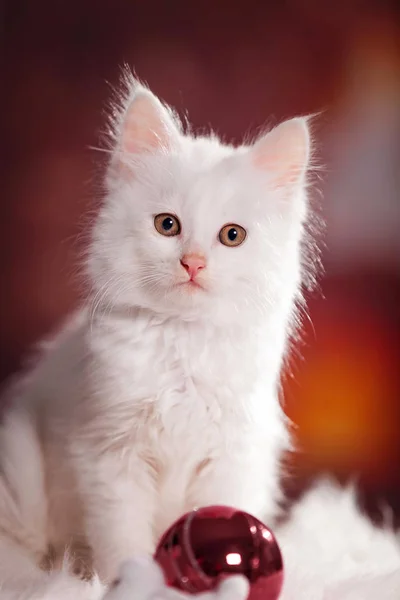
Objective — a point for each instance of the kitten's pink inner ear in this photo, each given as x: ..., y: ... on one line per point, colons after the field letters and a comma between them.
x: 284, y: 152
x: 147, y: 127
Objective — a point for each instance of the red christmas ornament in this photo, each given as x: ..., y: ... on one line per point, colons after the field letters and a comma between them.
x: 209, y: 544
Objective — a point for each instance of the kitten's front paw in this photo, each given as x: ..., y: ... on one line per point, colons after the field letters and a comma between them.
x: 77, y: 559
x: 108, y: 564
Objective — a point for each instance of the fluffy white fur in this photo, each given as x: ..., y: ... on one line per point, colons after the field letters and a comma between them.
x: 158, y: 395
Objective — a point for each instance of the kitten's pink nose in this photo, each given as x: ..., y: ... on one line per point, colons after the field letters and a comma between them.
x: 193, y: 263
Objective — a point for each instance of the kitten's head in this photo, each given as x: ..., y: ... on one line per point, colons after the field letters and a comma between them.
x: 197, y: 229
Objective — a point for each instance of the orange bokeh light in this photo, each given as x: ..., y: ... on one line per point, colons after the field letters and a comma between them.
x: 343, y: 399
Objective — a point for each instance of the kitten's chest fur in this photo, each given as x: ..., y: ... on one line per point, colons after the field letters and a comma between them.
x: 176, y: 382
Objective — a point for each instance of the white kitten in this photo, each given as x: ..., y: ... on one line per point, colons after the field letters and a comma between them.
x: 162, y: 393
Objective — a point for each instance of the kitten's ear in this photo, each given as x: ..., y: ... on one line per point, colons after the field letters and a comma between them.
x: 284, y: 152
x: 147, y: 127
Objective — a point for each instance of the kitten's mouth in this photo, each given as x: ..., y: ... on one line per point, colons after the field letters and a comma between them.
x: 192, y: 285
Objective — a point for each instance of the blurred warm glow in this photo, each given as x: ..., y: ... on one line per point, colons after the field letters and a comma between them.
x: 343, y: 401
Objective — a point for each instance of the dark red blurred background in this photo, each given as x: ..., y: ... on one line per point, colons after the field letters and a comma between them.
x: 233, y: 66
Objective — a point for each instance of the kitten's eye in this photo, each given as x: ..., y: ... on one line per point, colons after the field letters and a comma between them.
x: 232, y: 235
x: 167, y: 224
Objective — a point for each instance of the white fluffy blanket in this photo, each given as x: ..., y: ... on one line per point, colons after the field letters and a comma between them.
x: 331, y: 552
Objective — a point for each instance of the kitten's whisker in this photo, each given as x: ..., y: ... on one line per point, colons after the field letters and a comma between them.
x: 99, y: 297
x: 105, y: 150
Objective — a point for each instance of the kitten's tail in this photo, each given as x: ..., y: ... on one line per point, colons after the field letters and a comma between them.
x: 23, y: 501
